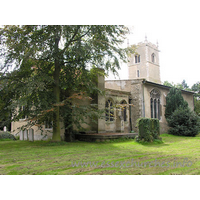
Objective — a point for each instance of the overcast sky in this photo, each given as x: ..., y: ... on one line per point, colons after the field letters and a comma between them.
x: 176, y: 27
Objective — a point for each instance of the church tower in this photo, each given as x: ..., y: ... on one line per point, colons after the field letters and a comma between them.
x: 145, y: 63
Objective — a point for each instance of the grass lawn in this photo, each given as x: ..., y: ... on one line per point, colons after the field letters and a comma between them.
x: 114, y: 157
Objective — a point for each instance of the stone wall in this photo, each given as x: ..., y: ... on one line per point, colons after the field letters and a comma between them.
x: 137, y: 101
x: 39, y: 133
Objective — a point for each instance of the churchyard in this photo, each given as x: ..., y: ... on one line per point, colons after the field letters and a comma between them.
x: 176, y: 155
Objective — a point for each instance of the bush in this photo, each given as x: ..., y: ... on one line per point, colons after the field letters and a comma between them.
x: 184, y: 122
x: 149, y: 130
x: 6, y: 135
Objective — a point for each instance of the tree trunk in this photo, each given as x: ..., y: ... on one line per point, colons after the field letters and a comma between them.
x: 56, y: 118
x: 68, y: 127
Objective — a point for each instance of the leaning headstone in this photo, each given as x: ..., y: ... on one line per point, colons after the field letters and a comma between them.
x: 25, y: 134
x: 21, y: 135
x: 4, y: 129
x: 31, y: 135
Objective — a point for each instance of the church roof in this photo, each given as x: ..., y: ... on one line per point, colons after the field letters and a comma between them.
x: 163, y: 86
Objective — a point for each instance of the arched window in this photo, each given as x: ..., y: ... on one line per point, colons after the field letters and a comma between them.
x: 48, y: 123
x: 153, y: 58
x: 123, y: 110
x: 22, y: 111
x: 137, y: 58
x: 109, y: 111
x: 155, y: 103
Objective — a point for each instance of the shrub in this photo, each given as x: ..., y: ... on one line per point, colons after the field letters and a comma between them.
x: 149, y: 130
x: 6, y: 135
x: 184, y: 122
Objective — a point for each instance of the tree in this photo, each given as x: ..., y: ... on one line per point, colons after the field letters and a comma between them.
x: 196, y: 88
x: 174, y: 100
x: 181, y: 86
x: 168, y: 83
x: 184, y: 85
x: 50, y: 65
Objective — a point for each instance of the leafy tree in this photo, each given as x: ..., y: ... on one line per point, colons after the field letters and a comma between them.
x: 50, y: 65
x: 174, y: 100
x: 168, y: 83
x: 184, y: 85
x: 181, y: 86
x: 196, y: 88
x: 197, y: 105
x: 5, y: 112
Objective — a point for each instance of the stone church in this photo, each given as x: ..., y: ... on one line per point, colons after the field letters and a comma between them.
x: 141, y: 95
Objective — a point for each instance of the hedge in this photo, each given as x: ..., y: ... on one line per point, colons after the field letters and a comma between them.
x: 149, y: 129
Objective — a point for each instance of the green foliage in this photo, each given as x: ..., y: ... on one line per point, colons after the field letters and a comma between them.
x: 197, y: 106
x: 184, y: 122
x: 50, y: 65
x: 182, y: 86
x: 166, y: 83
x: 149, y: 130
x: 174, y: 100
x: 6, y: 136
x: 196, y: 88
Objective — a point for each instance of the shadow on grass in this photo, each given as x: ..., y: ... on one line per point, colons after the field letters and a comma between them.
x: 45, y: 157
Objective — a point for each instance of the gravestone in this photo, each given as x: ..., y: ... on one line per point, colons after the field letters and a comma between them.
x: 4, y: 129
x: 21, y: 135
x: 25, y: 134
x: 31, y: 134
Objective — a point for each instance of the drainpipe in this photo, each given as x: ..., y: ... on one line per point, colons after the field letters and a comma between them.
x: 143, y: 102
x: 130, y: 121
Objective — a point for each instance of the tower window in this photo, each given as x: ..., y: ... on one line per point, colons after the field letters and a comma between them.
x: 138, y: 73
x: 137, y: 58
x: 153, y: 58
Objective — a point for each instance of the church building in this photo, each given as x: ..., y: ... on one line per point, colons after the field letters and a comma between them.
x: 144, y: 89
x: 141, y: 95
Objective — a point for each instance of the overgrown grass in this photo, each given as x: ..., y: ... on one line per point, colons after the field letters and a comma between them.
x: 114, y: 157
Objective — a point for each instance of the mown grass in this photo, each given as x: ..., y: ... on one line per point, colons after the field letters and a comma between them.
x: 114, y: 157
